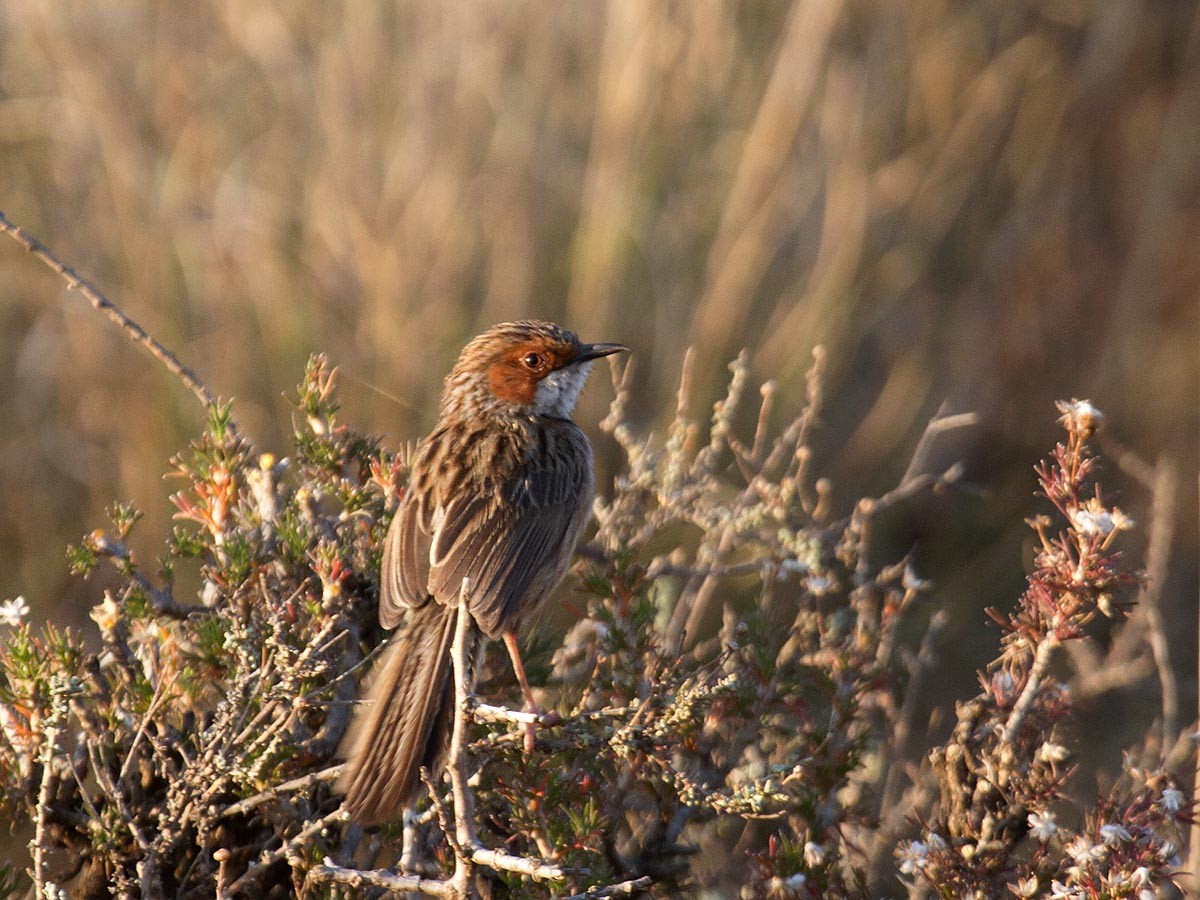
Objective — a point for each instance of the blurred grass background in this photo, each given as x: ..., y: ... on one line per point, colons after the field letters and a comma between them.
x: 987, y: 204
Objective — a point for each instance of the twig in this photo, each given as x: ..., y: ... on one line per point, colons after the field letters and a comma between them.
x: 1041, y: 659
x: 45, y: 795
x: 891, y: 811
x: 456, y: 763
x: 161, y: 598
x: 483, y: 712
x: 1162, y: 528
x: 161, y: 694
x: 624, y: 889
x: 296, y: 784
x: 521, y: 865
x: 382, y: 878
x: 136, y: 332
x: 287, y: 851
x: 468, y: 851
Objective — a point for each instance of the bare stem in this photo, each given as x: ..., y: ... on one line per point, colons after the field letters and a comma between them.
x: 1158, y: 554
x: 296, y: 784
x: 399, y: 884
x: 136, y: 332
x: 1041, y: 659
x: 456, y: 765
x: 45, y: 795
x: 288, y: 850
x: 624, y: 889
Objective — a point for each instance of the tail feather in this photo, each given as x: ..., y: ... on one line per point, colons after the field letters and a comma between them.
x: 397, y: 728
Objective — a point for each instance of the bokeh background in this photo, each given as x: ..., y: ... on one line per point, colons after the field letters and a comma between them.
x: 988, y: 205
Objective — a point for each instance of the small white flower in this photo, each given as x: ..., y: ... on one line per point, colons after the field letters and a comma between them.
x: 12, y: 612
x: 1078, y: 848
x: 814, y: 854
x: 1042, y: 826
x: 795, y: 882
x: 1093, y: 517
x: 1140, y: 877
x: 1080, y: 415
x: 107, y: 613
x: 1115, y: 834
x: 1052, y: 753
x: 1091, y: 521
x: 913, y: 855
x: 1171, y: 800
x: 1060, y: 891
x: 1085, y: 853
x: 1026, y: 887
x: 1120, y: 521
x: 936, y: 841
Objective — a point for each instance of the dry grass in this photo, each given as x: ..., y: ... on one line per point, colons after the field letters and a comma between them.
x: 990, y: 204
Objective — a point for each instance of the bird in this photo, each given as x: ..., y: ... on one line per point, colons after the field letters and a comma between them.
x: 498, y: 494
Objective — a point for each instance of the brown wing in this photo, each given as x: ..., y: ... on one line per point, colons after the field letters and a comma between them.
x: 404, y: 575
x: 501, y: 507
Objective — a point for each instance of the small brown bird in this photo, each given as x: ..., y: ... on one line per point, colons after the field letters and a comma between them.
x: 498, y: 495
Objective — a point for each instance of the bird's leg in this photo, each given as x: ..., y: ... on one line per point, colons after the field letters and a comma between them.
x: 510, y: 641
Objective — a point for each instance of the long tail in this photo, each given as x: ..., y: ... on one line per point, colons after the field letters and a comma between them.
x: 403, y: 722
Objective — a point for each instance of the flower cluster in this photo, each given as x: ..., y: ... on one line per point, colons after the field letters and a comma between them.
x: 1002, y: 774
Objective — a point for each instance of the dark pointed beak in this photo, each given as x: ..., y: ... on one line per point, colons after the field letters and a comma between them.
x: 595, y: 351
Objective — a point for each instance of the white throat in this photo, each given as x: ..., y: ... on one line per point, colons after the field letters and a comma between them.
x: 558, y: 392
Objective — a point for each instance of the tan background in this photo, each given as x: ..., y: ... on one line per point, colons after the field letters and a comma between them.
x: 989, y: 204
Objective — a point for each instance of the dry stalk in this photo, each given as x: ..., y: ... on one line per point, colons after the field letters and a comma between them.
x: 136, y: 332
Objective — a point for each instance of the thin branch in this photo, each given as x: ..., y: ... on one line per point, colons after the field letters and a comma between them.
x: 1041, y: 660
x: 456, y: 763
x: 521, y: 865
x: 296, y: 784
x: 135, y: 332
x: 1158, y: 553
x: 483, y: 712
x: 45, y: 795
x: 624, y: 889
x: 468, y: 851
x: 287, y: 850
x: 897, y: 750
x: 382, y: 878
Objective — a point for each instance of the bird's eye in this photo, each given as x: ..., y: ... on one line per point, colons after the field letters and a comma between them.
x: 532, y: 360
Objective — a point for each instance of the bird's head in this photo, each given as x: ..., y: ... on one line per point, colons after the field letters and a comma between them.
x: 530, y: 367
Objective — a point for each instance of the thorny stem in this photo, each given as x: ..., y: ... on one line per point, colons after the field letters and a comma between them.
x: 136, y: 332
x: 49, y: 747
